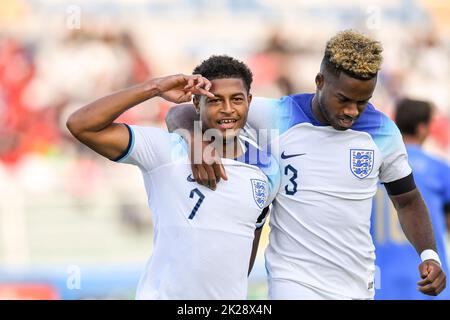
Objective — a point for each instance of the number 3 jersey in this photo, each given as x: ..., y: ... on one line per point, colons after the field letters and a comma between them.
x: 320, y: 221
x: 202, y: 238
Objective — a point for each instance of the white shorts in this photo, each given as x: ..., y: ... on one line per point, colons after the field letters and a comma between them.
x: 281, y: 289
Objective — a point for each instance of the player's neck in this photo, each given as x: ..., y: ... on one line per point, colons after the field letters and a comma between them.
x: 408, y: 139
x: 316, y: 110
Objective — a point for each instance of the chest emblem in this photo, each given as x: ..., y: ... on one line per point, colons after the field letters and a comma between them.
x: 259, y: 188
x: 361, y: 162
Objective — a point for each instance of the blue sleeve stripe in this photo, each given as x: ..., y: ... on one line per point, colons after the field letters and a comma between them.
x: 130, y: 146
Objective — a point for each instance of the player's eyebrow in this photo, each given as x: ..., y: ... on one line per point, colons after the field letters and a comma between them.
x: 219, y: 96
x: 342, y: 96
x: 365, y: 100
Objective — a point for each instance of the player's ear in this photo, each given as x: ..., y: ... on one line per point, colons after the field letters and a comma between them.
x: 249, y: 99
x: 196, y: 101
x: 319, y: 81
x: 422, y: 130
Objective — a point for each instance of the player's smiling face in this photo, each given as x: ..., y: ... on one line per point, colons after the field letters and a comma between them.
x: 227, y: 111
x: 341, y: 99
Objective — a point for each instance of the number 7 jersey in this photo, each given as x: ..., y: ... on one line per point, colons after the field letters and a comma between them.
x: 202, y: 238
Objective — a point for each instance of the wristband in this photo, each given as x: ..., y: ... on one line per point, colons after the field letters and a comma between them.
x: 430, y: 255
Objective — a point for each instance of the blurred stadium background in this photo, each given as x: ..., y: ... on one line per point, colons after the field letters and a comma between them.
x: 76, y: 226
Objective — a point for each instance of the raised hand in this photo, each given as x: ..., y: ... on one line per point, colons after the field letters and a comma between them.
x: 180, y: 88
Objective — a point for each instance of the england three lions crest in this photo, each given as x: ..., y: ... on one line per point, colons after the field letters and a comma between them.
x: 361, y: 162
x: 259, y: 188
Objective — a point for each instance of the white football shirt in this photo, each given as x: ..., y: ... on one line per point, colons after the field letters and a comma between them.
x: 320, y: 221
x: 202, y: 238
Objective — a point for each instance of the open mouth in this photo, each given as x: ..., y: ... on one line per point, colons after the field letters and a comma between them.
x: 227, y: 123
x: 346, y: 123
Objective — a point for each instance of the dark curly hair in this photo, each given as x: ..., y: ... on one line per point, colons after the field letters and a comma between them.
x: 410, y: 113
x: 220, y: 67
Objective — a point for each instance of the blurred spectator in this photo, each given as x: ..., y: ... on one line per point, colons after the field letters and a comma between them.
x: 140, y: 70
x: 36, y: 86
x: 272, y: 66
x: 395, y: 258
x: 16, y: 71
x: 447, y: 234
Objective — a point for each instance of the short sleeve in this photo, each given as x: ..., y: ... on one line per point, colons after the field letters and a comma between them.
x: 395, y: 164
x: 149, y: 147
x: 274, y: 178
x: 263, y: 113
x: 446, y: 180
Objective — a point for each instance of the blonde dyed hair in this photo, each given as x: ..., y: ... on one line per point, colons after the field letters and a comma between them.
x: 353, y: 53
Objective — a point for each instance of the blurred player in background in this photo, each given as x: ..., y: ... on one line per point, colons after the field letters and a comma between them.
x: 394, y: 256
x: 333, y: 148
x: 447, y: 234
x: 203, y: 239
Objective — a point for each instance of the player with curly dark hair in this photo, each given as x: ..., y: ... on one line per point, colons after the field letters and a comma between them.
x: 224, y: 67
x: 203, y: 248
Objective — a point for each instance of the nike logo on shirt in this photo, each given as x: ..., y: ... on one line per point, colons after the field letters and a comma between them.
x: 190, y: 178
x: 287, y: 156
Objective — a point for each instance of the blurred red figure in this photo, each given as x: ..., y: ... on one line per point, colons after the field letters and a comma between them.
x: 16, y: 71
x: 22, y: 129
